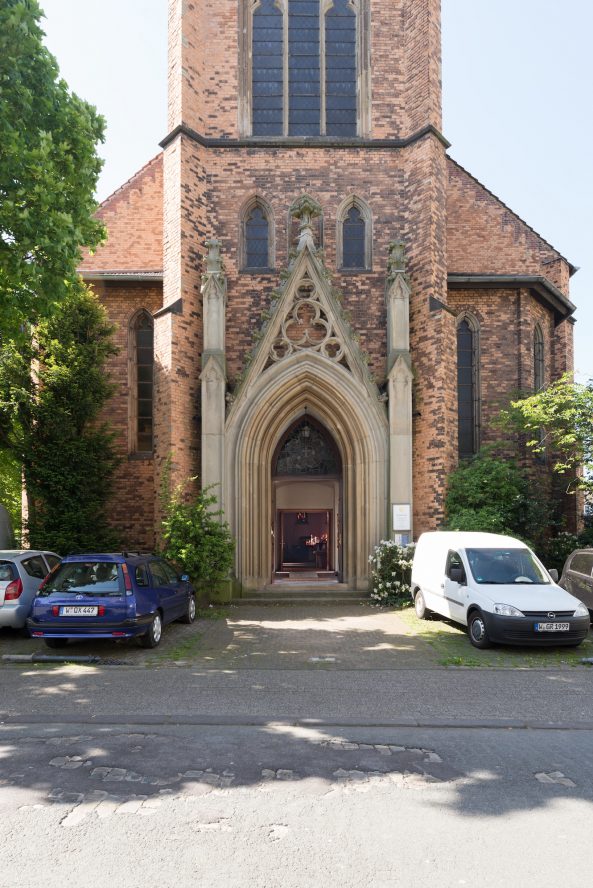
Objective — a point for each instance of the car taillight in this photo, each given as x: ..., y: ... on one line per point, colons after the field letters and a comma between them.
x: 55, y: 610
x: 127, y: 580
x: 101, y: 610
x: 13, y: 590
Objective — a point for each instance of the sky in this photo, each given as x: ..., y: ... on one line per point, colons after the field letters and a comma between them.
x: 517, y: 80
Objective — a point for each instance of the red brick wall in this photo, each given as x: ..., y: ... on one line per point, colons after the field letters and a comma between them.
x: 485, y: 237
x: 204, y: 66
x: 133, y: 216
x: 132, y: 505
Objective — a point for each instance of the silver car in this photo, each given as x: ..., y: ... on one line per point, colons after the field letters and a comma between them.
x: 21, y: 573
x: 577, y: 576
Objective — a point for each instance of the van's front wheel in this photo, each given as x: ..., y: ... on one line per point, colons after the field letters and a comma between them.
x: 420, y: 606
x: 476, y: 628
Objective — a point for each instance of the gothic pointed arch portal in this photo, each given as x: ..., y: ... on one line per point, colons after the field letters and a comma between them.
x: 306, y: 384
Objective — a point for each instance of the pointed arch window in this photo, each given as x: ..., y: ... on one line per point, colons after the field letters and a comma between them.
x: 468, y: 388
x: 305, y: 67
x: 354, y: 236
x: 142, y: 383
x: 538, y: 359
x: 257, y: 237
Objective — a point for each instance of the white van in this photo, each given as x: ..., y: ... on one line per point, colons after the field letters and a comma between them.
x: 496, y: 587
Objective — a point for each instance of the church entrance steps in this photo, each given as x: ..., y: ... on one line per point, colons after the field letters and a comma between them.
x: 317, y: 593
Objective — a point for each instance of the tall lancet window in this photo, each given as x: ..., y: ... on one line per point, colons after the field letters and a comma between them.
x: 468, y: 393
x: 305, y: 68
x: 354, y: 235
x: 142, y: 383
x: 538, y: 359
x: 267, y: 50
x: 340, y: 69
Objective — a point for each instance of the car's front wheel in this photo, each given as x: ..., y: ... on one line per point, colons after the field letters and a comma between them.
x: 190, y: 610
x: 56, y: 642
x: 478, y: 634
x: 152, y: 636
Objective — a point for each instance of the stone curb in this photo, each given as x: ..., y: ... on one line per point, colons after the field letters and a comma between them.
x: 257, y: 722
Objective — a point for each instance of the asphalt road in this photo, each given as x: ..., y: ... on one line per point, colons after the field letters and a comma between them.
x: 217, y: 773
x: 279, y: 805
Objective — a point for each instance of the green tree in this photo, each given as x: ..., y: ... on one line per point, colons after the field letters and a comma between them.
x: 558, y: 421
x: 52, y: 390
x: 48, y: 173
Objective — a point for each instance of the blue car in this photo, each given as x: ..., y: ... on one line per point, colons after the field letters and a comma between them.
x: 110, y: 596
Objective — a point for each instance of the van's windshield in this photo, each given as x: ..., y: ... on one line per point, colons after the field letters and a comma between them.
x: 503, y: 566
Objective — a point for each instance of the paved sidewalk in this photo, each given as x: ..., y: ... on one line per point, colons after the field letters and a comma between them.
x: 258, y: 637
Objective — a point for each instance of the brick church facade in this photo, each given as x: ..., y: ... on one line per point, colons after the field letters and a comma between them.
x: 318, y: 310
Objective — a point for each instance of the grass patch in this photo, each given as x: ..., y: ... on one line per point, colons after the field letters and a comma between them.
x: 450, y: 642
x: 211, y: 613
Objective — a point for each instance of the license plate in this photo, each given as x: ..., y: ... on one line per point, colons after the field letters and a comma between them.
x: 79, y: 611
x: 552, y: 627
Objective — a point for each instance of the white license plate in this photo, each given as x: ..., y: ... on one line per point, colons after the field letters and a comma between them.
x: 79, y: 611
x: 552, y: 627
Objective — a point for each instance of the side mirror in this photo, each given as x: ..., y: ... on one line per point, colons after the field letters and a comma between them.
x: 184, y: 578
x: 554, y: 574
x: 457, y: 574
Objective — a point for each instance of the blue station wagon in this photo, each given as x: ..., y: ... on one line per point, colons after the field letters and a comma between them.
x: 110, y: 596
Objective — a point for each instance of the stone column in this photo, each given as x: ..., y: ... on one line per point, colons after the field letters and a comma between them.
x: 213, y: 376
x: 399, y: 378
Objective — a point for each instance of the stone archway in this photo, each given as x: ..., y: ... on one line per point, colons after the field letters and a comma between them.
x: 306, y: 382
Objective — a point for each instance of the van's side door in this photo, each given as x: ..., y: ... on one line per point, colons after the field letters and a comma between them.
x: 453, y: 588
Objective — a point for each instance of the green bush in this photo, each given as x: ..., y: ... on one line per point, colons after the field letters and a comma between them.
x: 195, y: 536
x: 391, y: 573
x: 489, y: 494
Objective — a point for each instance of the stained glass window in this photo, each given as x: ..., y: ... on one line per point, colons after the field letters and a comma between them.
x: 466, y: 389
x: 144, y: 343
x: 291, y: 93
x: 257, y: 239
x: 353, y: 239
x: 268, y: 69
x: 307, y: 451
x: 340, y: 69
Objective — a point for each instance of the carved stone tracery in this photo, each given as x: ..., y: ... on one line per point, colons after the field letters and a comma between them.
x: 307, y: 327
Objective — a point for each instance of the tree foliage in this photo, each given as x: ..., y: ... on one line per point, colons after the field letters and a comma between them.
x: 491, y: 494
x: 195, y: 536
x: 52, y: 390
x: 558, y: 421
x: 48, y: 173
x: 11, y: 488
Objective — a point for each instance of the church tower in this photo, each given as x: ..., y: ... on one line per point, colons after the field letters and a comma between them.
x: 305, y: 155
x: 319, y: 312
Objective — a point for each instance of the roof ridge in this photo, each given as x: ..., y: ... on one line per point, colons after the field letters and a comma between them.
x: 130, y: 180
x: 573, y: 268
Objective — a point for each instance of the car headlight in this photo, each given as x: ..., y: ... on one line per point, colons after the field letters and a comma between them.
x: 507, y: 610
x: 582, y: 610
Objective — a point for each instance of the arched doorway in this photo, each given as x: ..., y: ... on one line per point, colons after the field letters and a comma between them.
x: 268, y: 407
x: 307, y: 498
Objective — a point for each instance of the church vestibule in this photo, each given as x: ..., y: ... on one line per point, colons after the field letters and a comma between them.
x: 307, y: 494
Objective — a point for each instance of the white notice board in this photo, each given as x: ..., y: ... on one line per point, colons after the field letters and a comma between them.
x: 402, y: 516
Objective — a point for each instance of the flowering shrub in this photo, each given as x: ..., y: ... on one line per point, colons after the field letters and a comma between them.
x: 391, y: 573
